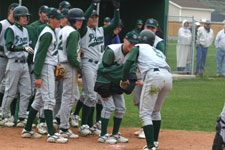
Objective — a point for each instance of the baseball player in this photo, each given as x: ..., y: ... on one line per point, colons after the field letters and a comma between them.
x: 34, y: 31
x: 114, y: 57
x: 92, y: 47
x: 219, y: 139
x: 139, y: 26
x: 17, y: 72
x: 64, y: 4
x: 68, y: 39
x: 4, y: 24
x: 157, y: 82
x: 45, y: 61
x: 151, y: 24
x: 106, y: 21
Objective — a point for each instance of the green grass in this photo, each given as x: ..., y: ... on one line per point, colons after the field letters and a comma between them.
x: 193, y: 104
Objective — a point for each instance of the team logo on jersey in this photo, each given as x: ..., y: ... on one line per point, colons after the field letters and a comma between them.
x: 20, y: 40
x: 94, y: 40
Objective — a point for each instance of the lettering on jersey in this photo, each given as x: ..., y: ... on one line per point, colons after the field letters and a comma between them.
x: 60, y: 43
x: 20, y: 40
x: 94, y: 40
x: 55, y: 51
x: 157, y: 52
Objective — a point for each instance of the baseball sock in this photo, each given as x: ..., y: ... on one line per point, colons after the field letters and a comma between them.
x: 31, y: 117
x: 49, y: 120
x: 78, y: 108
x: 90, y: 117
x: 30, y: 102
x: 13, y: 107
x: 104, y: 126
x: 1, y: 98
x: 149, y: 134
x: 42, y: 120
x: 98, y: 112
x: 116, y: 125
x: 85, y: 114
x: 156, y: 125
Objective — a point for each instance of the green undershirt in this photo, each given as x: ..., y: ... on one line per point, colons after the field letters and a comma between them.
x: 160, y: 46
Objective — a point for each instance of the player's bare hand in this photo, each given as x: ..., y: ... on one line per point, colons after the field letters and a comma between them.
x: 124, y: 84
x: 139, y: 82
x: 29, y: 49
x: 38, y: 83
x: 105, y: 98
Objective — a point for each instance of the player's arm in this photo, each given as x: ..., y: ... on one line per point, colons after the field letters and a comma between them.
x: 9, y: 38
x: 217, y: 39
x: 71, y: 49
x: 108, y: 57
x: 87, y: 14
x: 160, y: 46
x: 1, y: 46
x: 115, y: 23
x: 130, y: 61
x: 45, y: 41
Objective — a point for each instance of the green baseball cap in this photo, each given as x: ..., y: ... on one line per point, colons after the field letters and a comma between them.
x: 151, y: 23
x: 43, y: 8
x: 107, y: 19
x: 13, y: 5
x: 64, y: 12
x: 54, y: 13
x: 139, y: 21
x: 64, y: 4
x: 132, y: 37
x: 94, y: 13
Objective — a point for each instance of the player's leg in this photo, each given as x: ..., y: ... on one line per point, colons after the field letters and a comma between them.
x: 13, y: 73
x: 198, y: 58
x: 58, y: 97
x: 98, y: 113
x: 118, y: 116
x: 156, y: 116
x: 33, y: 88
x: 25, y: 94
x: 204, y: 56
x: 108, y: 108
x: 69, y: 96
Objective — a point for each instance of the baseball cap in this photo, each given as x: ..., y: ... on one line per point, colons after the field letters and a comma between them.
x: 132, y: 37
x: 94, y: 13
x: 197, y: 23
x: 13, y: 5
x: 43, y: 8
x: 65, y: 4
x: 64, y: 12
x: 151, y: 23
x: 54, y: 13
x: 107, y: 19
x: 139, y: 21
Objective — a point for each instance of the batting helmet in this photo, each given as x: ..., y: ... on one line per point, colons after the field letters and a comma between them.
x: 147, y: 37
x: 64, y: 4
x: 75, y: 14
x: 20, y: 11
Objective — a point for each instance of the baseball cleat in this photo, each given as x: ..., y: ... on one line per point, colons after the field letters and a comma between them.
x: 68, y: 134
x: 98, y: 125
x: 30, y: 134
x: 156, y: 143
x: 141, y: 135
x: 21, y: 124
x: 84, y: 130
x: 146, y: 148
x: 138, y: 132
x: 95, y: 131
x: 75, y: 120
x: 56, y: 138
x: 107, y: 139
x: 8, y: 122
x: 42, y: 128
x: 120, y: 139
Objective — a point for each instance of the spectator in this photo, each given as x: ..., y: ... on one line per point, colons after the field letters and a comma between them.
x: 139, y: 26
x: 184, y: 47
x: 220, y: 54
x: 204, y: 40
x: 106, y: 21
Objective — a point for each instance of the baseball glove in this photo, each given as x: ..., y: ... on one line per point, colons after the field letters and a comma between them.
x: 59, y: 72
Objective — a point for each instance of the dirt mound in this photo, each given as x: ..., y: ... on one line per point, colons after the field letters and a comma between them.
x: 168, y: 140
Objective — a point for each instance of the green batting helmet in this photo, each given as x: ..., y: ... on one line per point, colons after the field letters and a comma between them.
x: 20, y: 11
x: 64, y: 4
x: 147, y: 37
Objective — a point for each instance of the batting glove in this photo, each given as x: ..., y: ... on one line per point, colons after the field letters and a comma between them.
x: 29, y: 49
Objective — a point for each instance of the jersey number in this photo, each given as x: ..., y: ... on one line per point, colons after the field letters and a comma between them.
x: 60, y: 43
x: 157, y: 52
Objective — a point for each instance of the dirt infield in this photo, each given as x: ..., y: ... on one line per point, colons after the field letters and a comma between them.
x: 169, y: 140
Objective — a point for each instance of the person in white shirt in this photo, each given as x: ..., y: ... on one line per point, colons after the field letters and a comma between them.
x: 184, y: 47
x: 204, y: 40
x: 220, y: 54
